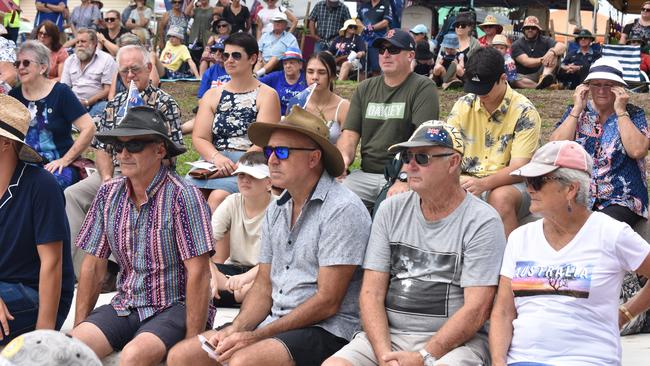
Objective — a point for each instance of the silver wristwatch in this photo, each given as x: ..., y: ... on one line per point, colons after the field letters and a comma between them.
x: 429, y: 360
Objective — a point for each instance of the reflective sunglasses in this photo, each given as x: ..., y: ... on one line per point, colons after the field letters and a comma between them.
x: 461, y: 25
x: 110, y: 20
x: 282, y: 152
x: 421, y: 159
x: 537, y: 183
x: 132, y: 146
x: 25, y: 63
x: 235, y: 56
x: 391, y: 49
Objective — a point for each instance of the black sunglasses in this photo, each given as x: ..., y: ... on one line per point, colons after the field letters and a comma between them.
x: 235, y: 56
x: 461, y: 25
x: 391, y: 49
x: 110, y: 20
x: 282, y: 152
x: 421, y: 159
x: 25, y: 63
x: 537, y: 183
x: 645, y: 9
x: 132, y: 146
x: 177, y: 2
x: 222, y: 25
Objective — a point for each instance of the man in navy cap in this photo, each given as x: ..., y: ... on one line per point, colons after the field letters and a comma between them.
x: 385, y: 110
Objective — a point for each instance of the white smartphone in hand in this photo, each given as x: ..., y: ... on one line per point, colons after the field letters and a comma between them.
x: 208, y: 347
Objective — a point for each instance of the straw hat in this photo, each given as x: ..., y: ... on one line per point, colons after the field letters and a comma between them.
x: 491, y: 20
x: 14, y: 123
x: 500, y: 39
x: 350, y: 22
x: 314, y: 127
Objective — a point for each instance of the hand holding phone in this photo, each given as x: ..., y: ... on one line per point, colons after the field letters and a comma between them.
x: 208, y: 347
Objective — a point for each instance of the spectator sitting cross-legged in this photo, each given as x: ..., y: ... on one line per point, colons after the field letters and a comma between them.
x: 349, y: 48
x: 36, y: 278
x: 224, y: 115
x: 291, y: 80
x: 175, y: 17
x: 273, y: 44
x: 158, y: 228
x: 134, y: 65
x: 423, y: 63
x: 236, y: 228
x: 501, y: 129
x: 89, y: 72
x: 176, y: 57
x: 536, y: 56
x: 54, y: 109
x: 467, y: 43
x: 450, y: 63
x: 575, y: 66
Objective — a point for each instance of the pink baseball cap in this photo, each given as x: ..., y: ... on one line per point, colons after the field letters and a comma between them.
x: 555, y: 155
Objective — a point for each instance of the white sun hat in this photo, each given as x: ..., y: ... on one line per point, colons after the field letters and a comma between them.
x: 606, y: 68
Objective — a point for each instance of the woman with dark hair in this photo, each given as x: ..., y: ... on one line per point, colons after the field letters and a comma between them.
x: 321, y: 70
x: 48, y: 34
x: 221, y: 30
x: 224, y: 115
x: 238, y: 16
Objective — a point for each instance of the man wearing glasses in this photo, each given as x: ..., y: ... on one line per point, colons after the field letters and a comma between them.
x: 385, y: 110
x: 536, y: 56
x: 109, y: 35
x: 432, y: 264
x: 158, y: 228
x: 133, y: 65
x: 501, y: 130
x: 640, y: 28
x: 303, y: 305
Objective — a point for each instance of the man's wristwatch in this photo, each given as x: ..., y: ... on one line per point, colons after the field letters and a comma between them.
x: 429, y: 360
x: 402, y: 177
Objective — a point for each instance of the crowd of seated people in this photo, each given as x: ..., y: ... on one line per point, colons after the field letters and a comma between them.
x: 310, y: 249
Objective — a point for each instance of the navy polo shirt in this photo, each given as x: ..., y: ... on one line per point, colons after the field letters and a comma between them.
x: 286, y: 91
x: 581, y: 59
x: 32, y: 213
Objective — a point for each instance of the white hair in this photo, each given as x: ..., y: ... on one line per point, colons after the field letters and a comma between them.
x: 567, y: 176
x: 132, y: 47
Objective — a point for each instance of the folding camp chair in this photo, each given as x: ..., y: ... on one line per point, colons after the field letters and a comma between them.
x: 630, y: 59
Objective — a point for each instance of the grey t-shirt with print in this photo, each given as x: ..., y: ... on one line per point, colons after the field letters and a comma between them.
x: 430, y: 262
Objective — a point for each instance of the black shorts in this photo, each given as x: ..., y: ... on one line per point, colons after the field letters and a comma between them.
x: 168, y: 325
x: 310, y: 346
x: 227, y: 299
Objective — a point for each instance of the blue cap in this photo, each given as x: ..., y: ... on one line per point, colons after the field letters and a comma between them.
x: 450, y: 41
x: 218, y: 45
x: 292, y: 53
x: 420, y: 28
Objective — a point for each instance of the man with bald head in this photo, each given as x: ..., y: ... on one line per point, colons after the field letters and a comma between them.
x: 303, y: 306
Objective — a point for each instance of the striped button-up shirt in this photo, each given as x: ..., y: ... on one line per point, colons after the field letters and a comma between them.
x: 149, y: 243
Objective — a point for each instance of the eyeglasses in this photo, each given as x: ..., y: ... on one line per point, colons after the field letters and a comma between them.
x: 421, y: 159
x: 282, y: 152
x: 133, y: 69
x: 43, y: 34
x: 606, y: 87
x: 461, y: 25
x: 132, y: 146
x: 235, y: 56
x: 391, y: 49
x: 110, y: 20
x: 25, y: 63
x: 537, y: 183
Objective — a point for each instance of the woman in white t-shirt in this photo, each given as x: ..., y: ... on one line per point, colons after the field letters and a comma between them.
x: 557, y: 302
x: 264, y: 16
x: 236, y: 226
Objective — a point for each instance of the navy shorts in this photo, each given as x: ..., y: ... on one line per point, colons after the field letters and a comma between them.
x: 168, y: 325
x: 310, y: 346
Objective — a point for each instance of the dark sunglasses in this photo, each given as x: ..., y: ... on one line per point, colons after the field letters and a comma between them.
x: 44, y: 34
x: 461, y: 25
x: 645, y: 10
x: 235, y: 56
x: 529, y: 28
x: 177, y: 2
x: 421, y: 159
x: 133, y: 146
x: 391, y: 49
x: 537, y: 183
x: 25, y: 63
x: 110, y: 20
x: 282, y: 152
x: 222, y: 25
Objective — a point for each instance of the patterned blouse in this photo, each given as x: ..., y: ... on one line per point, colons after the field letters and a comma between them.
x: 235, y: 113
x: 617, y: 179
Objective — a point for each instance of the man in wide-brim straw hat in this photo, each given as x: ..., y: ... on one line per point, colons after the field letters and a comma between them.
x: 158, y: 228
x: 35, y: 264
x: 312, y: 243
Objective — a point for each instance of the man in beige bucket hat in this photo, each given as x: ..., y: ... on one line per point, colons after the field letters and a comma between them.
x: 36, y: 277
x: 303, y: 306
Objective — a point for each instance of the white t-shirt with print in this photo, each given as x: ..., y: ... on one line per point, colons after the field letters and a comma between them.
x: 567, y: 300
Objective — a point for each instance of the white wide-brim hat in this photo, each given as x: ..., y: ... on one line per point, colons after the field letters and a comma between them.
x: 257, y: 171
x: 606, y: 68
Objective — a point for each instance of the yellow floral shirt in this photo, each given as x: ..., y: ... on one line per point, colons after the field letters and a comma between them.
x: 491, y: 141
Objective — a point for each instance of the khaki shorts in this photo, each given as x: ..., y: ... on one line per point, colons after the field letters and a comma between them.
x: 524, y: 206
x: 359, y: 351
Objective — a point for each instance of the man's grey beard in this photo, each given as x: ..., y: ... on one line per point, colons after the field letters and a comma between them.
x: 84, y: 54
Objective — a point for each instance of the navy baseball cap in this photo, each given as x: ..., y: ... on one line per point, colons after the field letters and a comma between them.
x: 397, y: 38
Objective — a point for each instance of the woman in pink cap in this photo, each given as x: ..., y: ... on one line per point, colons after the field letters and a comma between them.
x: 557, y: 301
